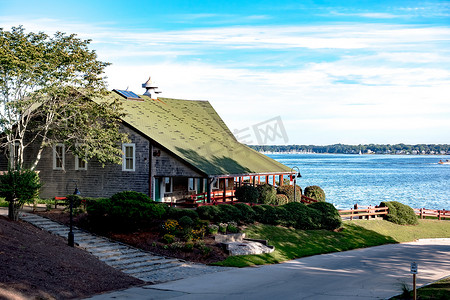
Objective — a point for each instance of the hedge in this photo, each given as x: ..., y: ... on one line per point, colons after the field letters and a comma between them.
x: 288, y: 190
x: 400, y: 213
x: 267, y: 194
x: 315, y: 192
x: 247, y: 193
x: 329, y: 215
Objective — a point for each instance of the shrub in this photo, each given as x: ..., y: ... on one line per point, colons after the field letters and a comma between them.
x: 266, y: 214
x: 209, y: 212
x: 281, y: 199
x: 131, y: 196
x: 300, y: 216
x: 232, y: 228
x: 76, y: 201
x: 223, y: 227
x: 247, y: 213
x: 400, y: 213
x: 213, y: 229
x: 171, y: 226
x: 267, y: 194
x: 178, y: 213
x: 19, y: 187
x: 329, y: 215
x: 169, y: 238
x: 247, y: 193
x: 186, y: 222
x: 288, y: 190
x: 229, y: 213
x: 125, y: 213
x: 315, y: 192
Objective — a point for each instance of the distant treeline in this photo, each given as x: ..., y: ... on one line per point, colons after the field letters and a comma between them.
x: 355, y: 149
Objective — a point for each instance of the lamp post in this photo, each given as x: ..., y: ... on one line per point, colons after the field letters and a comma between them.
x: 70, y: 237
x: 295, y: 182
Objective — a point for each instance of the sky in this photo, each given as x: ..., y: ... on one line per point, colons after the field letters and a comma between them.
x: 294, y: 72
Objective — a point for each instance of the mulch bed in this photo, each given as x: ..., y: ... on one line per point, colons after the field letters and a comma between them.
x: 148, y: 239
x: 35, y: 264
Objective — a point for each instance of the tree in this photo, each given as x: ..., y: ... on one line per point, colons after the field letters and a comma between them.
x: 48, y: 85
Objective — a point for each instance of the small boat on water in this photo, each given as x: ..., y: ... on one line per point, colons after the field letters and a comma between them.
x: 447, y: 162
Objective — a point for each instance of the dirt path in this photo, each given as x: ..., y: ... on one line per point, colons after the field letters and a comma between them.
x: 37, y: 265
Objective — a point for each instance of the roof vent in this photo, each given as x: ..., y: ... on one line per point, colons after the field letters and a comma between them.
x: 151, y: 89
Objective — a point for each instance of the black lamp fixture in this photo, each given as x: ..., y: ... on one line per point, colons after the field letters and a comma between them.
x: 295, y: 177
x: 71, y: 237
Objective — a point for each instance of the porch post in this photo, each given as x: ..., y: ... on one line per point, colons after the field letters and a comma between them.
x: 281, y: 180
x: 267, y: 179
x: 224, y: 189
x: 240, y: 181
x: 254, y: 180
x: 208, y: 190
x: 273, y: 180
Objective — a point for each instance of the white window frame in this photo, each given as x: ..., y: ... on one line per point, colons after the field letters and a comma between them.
x: 165, y: 184
x: 55, y: 157
x: 192, y: 181
x: 124, y: 159
x: 77, y: 162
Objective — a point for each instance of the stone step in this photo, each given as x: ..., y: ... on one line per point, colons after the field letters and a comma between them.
x: 145, y: 263
x: 106, y: 247
x: 123, y: 258
x: 117, y: 254
x: 139, y: 272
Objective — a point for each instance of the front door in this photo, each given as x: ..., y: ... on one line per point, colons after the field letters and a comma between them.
x: 157, y: 189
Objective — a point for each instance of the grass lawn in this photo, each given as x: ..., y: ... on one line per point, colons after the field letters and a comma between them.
x: 437, y: 290
x: 293, y: 243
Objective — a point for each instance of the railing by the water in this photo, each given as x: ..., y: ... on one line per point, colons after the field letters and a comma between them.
x: 439, y: 214
x: 363, y: 212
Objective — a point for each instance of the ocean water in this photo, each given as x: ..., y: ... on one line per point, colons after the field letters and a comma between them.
x: 415, y: 180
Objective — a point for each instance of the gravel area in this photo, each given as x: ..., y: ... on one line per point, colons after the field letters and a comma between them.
x: 35, y: 264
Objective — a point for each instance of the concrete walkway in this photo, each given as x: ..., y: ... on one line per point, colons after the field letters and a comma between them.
x: 143, y: 265
x: 371, y: 273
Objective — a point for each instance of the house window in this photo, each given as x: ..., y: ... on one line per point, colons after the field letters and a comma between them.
x: 129, y: 157
x: 192, y: 184
x: 58, y: 157
x: 80, y: 164
x: 168, y: 184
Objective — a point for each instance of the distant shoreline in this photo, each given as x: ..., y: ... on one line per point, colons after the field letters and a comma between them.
x: 436, y: 154
x: 397, y: 149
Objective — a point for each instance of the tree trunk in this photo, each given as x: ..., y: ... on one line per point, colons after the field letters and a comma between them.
x: 13, y: 211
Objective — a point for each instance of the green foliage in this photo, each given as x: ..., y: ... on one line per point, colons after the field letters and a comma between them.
x: 280, y: 199
x: 123, y: 213
x: 229, y: 213
x: 288, y: 190
x: 209, y: 212
x: 169, y: 238
x: 247, y: 213
x: 213, y: 229
x: 315, y: 192
x: 178, y: 213
x: 266, y: 214
x: 130, y: 196
x: 301, y: 216
x: 47, y: 84
x: 330, y: 218
x: 186, y: 222
x: 267, y: 194
x: 19, y: 187
x: 400, y: 213
x: 247, y: 193
x: 232, y: 228
x: 76, y: 201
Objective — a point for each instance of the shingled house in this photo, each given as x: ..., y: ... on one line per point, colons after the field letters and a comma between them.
x: 178, y: 148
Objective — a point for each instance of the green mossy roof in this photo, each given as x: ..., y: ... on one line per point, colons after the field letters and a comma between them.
x: 194, y: 131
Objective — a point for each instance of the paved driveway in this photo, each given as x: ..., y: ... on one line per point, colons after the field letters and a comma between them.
x: 372, y: 273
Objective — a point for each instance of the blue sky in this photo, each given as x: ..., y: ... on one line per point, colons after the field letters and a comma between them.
x: 333, y: 71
